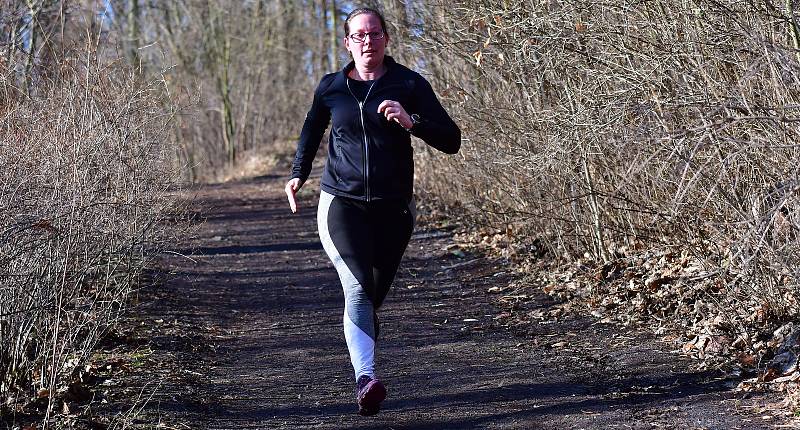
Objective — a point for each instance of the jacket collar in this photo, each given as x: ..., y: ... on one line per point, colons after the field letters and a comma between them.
x: 388, y: 61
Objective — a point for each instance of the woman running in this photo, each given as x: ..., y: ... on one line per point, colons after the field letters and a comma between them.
x: 366, y: 210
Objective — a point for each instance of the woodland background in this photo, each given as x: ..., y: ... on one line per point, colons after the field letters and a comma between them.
x: 644, y: 153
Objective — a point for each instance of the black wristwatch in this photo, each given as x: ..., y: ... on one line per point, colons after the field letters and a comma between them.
x: 415, y: 119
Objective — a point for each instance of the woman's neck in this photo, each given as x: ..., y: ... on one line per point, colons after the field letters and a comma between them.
x: 366, y: 73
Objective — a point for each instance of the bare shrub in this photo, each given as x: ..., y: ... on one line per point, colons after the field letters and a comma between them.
x: 609, y: 127
x: 84, y: 175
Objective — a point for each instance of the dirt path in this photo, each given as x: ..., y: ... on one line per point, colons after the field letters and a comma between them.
x: 247, y: 334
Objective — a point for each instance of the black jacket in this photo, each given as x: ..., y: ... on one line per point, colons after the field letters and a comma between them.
x: 373, y: 160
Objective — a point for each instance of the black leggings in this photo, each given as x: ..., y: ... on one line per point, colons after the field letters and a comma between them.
x: 365, y: 241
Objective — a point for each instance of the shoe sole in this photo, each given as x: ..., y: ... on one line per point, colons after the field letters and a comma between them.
x: 369, y: 403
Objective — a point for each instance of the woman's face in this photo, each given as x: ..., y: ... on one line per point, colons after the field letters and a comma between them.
x: 369, y: 52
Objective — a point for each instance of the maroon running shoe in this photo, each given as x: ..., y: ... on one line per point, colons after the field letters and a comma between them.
x: 370, y: 393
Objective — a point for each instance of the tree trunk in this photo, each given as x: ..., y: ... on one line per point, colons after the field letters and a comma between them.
x: 333, y: 39
x: 33, y: 28
x: 134, y: 31
x: 324, y: 58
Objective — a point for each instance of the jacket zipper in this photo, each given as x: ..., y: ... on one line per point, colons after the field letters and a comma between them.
x: 364, y: 129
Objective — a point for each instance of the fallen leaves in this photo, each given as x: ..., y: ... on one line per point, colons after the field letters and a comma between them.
x: 703, y: 345
x: 747, y: 360
x: 77, y: 392
x: 455, y: 250
x: 711, y: 314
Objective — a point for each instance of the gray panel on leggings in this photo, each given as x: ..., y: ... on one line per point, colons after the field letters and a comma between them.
x: 357, y: 303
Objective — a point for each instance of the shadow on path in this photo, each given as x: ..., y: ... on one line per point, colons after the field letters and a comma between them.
x: 262, y: 308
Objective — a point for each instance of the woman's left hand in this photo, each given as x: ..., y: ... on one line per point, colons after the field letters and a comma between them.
x: 393, y: 111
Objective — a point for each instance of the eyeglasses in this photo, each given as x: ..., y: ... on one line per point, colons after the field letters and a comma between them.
x: 361, y: 37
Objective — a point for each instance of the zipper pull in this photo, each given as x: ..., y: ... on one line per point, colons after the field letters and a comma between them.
x: 361, y: 105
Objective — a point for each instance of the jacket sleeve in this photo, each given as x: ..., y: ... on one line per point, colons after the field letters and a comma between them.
x: 316, y: 122
x: 436, y: 127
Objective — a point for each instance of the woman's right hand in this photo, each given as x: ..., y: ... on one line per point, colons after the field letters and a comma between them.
x: 291, y: 192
